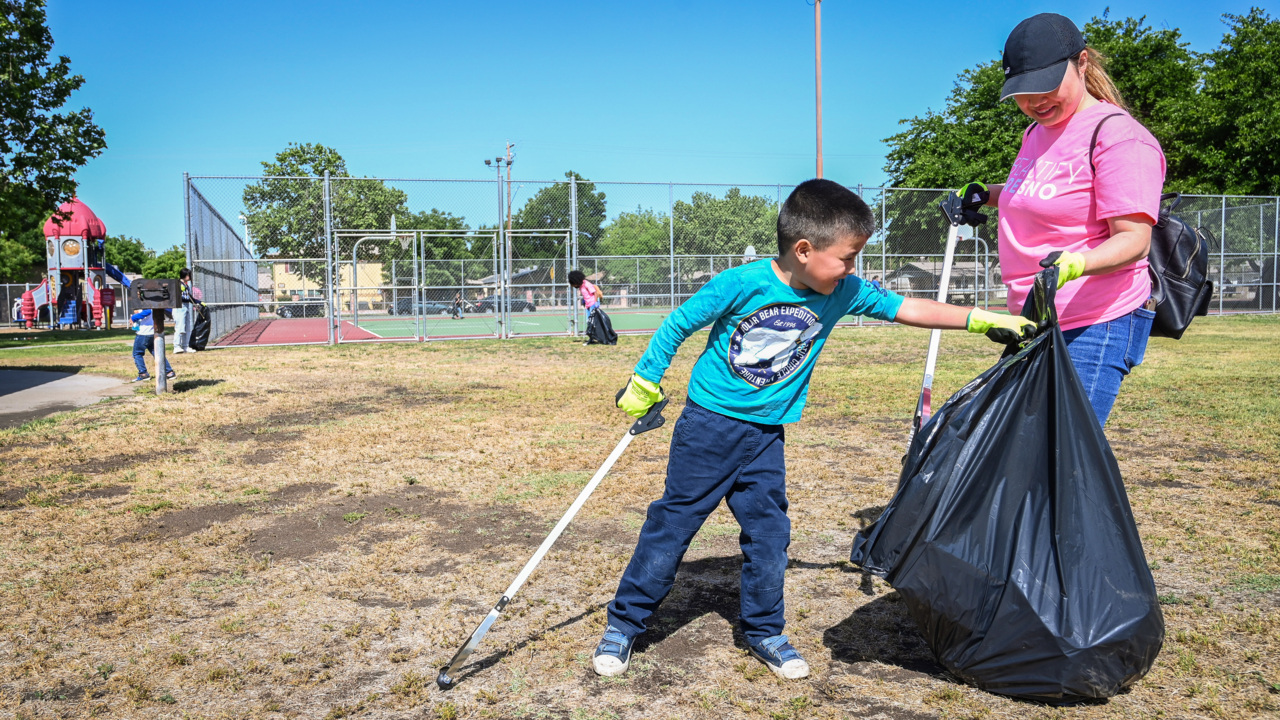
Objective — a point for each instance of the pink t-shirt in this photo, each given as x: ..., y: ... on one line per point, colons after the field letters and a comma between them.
x: 1054, y: 201
x: 588, y: 292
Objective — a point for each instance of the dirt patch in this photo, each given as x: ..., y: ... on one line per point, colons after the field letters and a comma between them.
x: 364, y: 520
x: 187, y: 521
x: 96, y: 493
x: 117, y: 463
x: 15, y: 495
x: 1178, y: 484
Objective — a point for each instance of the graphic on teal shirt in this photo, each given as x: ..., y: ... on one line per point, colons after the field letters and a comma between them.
x: 772, y: 343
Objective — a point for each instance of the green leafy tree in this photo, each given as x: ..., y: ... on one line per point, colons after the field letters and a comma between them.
x: 642, y: 234
x: 551, y: 208
x: 442, y: 254
x: 128, y: 253
x: 16, y: 260
x: 41, y: 147
x: 708, y: 225
x: 285, y: 210
x: 167, y: 264
x: 1233, y: 129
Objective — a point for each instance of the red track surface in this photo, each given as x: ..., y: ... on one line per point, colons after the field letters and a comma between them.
x: 297, y: 330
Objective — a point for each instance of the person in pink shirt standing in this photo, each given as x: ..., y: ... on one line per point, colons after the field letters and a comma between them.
x: 591, y: 295
x: 1083, y: 194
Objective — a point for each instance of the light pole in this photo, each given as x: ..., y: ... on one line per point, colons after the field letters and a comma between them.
x: 504, y: 240
x: 817, y: 57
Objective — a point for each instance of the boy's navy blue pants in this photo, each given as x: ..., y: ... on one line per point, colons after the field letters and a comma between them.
x: 714, y: 457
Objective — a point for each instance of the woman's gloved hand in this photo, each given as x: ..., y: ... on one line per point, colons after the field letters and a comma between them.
x: 1004, y: 329
x: 973, y: 196
x: 1070, y: 265
x: 639, y: 396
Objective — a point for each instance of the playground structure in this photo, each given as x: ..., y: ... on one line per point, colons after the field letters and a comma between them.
x: 75, y: 292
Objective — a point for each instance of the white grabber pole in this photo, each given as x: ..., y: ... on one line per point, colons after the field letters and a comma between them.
x: 956, y: 216
x: 653, y: 419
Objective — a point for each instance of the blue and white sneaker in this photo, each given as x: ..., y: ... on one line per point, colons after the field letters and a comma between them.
x: 776, y: 652
x: 613, y: 654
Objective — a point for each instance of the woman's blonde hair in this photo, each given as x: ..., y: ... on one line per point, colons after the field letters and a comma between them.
x: 1097, y: 81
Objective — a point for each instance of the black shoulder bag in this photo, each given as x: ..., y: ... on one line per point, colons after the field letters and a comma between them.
x: 1178, y: 263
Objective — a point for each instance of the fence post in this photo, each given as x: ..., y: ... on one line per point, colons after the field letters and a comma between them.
x: 186, y: 204
x: 1275, y: 258
x: 328, y: 261
x: 671, y: 242
x: 572, y: 261
x: 884, y: 237
x: 1222, y: 253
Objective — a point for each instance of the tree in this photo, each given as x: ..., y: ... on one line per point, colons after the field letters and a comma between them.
x: 641, y: 234
x: 551, y: 208
x: 16, y: 260
x: 128, y: 253
x: 22, y: 246
x: 708, y: 225
x: 1234, y: 126
x: 167, y: 264
x: 439, y: 252
x: 40, y: 147
x: 285, y: 210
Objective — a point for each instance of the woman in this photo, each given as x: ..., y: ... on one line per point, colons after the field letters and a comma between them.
x: 1090, y: 213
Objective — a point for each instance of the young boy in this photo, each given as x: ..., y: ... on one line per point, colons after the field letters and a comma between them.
x: 769, y: 322
x: 145, y: 327
x: 591, y: 295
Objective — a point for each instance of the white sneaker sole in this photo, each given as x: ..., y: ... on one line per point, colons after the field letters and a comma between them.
x: 790, y: 670
x: 610, y: 666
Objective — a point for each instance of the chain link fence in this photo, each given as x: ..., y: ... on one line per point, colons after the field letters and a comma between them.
x: 338, y: 260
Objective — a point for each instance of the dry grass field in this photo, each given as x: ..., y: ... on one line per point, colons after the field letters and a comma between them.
x: 311, y: 532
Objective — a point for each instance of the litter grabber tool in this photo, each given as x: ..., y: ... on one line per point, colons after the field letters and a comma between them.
x: 651, y: 420
x: 956, y: 212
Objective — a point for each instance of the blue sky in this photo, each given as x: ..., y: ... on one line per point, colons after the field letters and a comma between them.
x: 654, y: 91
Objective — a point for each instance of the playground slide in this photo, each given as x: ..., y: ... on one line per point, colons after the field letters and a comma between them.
x: 115, y: 274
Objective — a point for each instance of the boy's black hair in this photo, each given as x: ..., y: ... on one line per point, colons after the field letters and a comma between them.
x: 822, y: 212
x: 184, y: 274
x: 575, y: 278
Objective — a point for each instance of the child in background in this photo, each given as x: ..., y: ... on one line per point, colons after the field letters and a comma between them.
x: 769, y: 322
x: 591, y: 295
x: 145, y: 327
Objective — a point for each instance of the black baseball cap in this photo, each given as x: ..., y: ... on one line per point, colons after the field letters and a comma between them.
x: 1036, y: 54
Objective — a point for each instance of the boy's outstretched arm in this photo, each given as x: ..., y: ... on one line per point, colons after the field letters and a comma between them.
x: 918, y: 312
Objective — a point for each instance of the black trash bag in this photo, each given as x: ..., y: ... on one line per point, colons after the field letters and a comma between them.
x: 600, y: 329
x: 200, y: 329
x: 1011, y: 539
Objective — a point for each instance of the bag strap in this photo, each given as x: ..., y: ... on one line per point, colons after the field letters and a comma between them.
x: 1094, y: 142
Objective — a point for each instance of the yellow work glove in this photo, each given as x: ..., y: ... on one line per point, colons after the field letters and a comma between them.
x: 639, y: 396
x: 1004, y: 329
x: 1070, y: 265
x: 973, y: 196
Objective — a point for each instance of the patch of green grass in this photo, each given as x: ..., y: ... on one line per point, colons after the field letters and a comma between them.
x: 49, y: 337
x: 145, y: 509
x: 218, y: 584
x: 541, y: 485
x: 354, y: 517
x: 1258, y: 582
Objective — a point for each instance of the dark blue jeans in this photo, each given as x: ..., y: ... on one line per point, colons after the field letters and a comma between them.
x: 142, y: 344
x: 1104, y: 353
x: 714, y: 457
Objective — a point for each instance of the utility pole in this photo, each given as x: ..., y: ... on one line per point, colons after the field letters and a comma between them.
x: 817, y: 40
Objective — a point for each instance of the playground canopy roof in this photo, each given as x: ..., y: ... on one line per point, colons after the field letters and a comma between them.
x: 83, y: 223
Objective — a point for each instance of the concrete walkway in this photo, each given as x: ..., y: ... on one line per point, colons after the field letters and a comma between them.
x: 26, y: 395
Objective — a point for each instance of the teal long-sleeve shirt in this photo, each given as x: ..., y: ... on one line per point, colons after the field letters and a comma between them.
x: 765, y: 338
